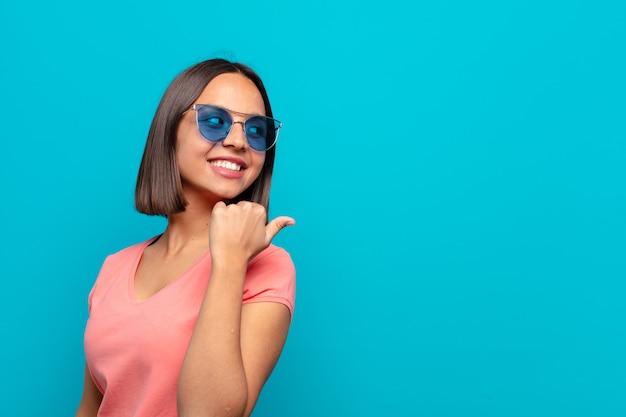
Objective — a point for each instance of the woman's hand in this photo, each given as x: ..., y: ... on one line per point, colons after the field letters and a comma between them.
x: 238, y: 231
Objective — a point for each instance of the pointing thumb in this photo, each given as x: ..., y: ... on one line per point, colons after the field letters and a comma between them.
x: 275, y: 226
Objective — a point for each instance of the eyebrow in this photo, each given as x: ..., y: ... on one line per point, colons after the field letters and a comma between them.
x: 231, y: 111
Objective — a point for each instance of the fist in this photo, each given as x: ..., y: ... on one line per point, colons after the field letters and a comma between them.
x: 239, y: 231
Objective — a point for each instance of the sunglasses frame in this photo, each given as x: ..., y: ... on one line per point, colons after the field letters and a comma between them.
x: 271, y: 121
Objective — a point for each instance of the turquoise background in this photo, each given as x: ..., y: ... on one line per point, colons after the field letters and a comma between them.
x: 456, y: 170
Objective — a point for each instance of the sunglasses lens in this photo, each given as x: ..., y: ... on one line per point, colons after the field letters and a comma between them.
x: 258, y: 132
x: 214, y: 123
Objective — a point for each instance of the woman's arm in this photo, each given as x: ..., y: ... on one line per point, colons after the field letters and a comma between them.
x: 233, y: 348
x: 226, y: 366
x: 264, y: 328
x: 92, y: 397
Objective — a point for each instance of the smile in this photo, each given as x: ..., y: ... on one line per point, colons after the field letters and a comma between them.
x: 226, y: 165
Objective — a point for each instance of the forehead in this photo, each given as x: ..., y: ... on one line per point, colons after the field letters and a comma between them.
x: 235, y: 92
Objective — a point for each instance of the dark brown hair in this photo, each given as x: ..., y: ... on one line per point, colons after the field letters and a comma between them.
x: 159, y: 187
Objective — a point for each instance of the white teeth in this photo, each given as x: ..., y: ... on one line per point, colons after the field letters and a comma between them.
x: 227, y: 165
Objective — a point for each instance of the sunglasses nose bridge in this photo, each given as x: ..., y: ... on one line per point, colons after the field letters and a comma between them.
x: 242, y: 141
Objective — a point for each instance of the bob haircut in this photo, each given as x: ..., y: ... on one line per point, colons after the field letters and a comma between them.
x: 159, y: 187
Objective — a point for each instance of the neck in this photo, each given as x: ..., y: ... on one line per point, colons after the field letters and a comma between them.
x: 189, y: 228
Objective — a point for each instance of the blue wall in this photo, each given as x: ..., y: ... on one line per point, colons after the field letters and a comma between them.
x: 456, y: 170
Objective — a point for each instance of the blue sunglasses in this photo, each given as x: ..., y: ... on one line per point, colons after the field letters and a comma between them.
x: 215, y: 123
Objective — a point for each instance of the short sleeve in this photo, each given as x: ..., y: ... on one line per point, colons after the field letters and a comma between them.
x: 90, y: 297
x: 271, y: 277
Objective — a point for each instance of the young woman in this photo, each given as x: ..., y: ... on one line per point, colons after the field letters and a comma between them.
x: 191, y: 322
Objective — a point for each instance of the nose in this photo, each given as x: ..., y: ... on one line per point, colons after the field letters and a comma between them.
x: 236, y: 137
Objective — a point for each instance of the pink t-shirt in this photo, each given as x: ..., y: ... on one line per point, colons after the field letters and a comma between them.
x: 135, y: 350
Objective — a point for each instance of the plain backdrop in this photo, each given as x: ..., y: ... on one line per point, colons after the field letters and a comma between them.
x: 456, y: 169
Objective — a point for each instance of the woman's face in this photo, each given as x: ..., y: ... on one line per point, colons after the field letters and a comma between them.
x: 220, y: 171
